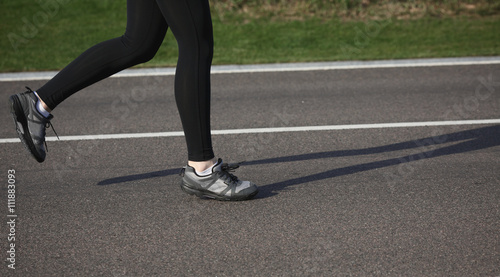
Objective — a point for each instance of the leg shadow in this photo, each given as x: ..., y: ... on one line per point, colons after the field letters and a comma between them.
x: 469, y: 140
x: 136, y: 177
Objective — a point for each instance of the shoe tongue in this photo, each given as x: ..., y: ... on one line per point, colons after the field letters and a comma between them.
x: 218, y: 166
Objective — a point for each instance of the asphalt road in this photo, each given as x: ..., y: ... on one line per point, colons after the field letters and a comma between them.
x: 406, y: 201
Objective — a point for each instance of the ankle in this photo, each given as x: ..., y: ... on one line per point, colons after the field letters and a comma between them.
x: 202, y: 166
x: 45, y: 107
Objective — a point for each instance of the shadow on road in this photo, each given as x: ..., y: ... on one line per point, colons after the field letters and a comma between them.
x: 430, y: 147
x: 136, y: 177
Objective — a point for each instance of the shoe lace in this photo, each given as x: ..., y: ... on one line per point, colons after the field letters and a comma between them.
x: 227, y: 168
x: 47, y: 125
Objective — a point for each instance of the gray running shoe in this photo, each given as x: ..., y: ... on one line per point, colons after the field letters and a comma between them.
x: 30, y: 124
x: 220, y: 185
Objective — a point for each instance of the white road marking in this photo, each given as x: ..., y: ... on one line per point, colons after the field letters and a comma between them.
x: 279, y: 67
x: 271, y: 130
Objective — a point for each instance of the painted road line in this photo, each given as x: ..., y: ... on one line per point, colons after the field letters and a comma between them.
x: 271, y: 130
x: 279, y: 67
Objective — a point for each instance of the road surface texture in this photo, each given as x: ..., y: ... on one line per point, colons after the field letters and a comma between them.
x: 356, y: 198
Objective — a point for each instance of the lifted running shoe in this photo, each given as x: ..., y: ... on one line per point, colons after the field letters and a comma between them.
x: 30, y: 124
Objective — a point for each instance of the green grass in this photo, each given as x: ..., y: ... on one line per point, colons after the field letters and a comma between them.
x: 314, y: 40
x: 47, y: 38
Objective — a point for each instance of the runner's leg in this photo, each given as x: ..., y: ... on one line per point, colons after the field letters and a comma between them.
x: 146, y: 28
x: 191, y: 24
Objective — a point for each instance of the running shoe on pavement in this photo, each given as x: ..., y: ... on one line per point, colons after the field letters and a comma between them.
x: 30, y: 124
x: 219, y: 185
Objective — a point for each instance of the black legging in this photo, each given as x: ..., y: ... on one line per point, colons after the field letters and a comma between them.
x: 147, y: 23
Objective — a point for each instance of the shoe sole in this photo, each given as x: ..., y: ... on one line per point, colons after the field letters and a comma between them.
x: 211, y: 195
x: 17, y: 112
